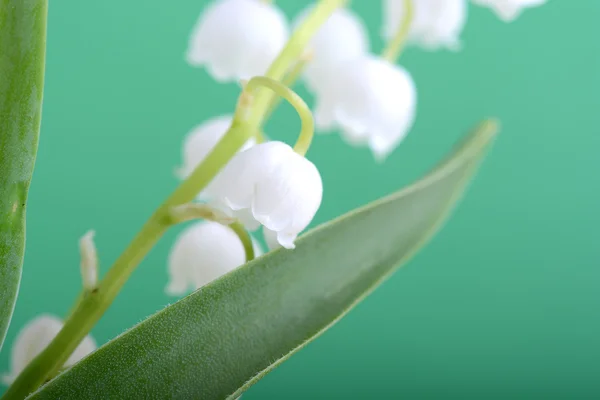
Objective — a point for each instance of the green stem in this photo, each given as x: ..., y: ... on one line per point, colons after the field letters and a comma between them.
x: 396, y: 45
x: 292, y: 52
x: 290, y: 79
x: 307, y: 127
x: 294, y: 74
x: 192, y: 211
x: 244, y: 236
x: 93, y: 304
x: 260, y: 137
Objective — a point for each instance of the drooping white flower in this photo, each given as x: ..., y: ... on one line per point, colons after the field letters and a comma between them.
x: 202, y: 253
x: 372, y: 101
x: 269, y: 184
x: 201, y: 140
x: 435, y: 23
x: 508, y: 10
x: 35, y: 337
x: 237, y: 39
x: 341, y: 38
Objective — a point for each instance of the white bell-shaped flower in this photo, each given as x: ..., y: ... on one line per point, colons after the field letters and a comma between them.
x: 35, y: 337
x: 341, y: 38
x: 238, y: 39
x: 434, y: 24
x: 372, y: 101
x: 269, y: 184
x: 508, y: 10
x: 201, y: 140
x: 202, y: 253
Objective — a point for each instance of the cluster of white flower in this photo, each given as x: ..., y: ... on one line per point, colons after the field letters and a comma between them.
x: 368, y: 98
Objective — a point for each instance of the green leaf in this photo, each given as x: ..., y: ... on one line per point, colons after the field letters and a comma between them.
x: 22, y: 60
x: 220, y: 340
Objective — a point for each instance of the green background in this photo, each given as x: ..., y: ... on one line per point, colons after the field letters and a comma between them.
x: 505, y: 301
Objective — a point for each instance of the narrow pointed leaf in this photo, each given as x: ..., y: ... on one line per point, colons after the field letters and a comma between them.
x: 220, y: 340
x: 22, y: 58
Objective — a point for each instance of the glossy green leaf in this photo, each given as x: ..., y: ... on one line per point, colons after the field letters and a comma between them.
x: 22, y: 59
x: 221, y: 339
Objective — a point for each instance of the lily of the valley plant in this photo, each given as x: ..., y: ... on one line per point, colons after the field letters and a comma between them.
x: 247, y: 307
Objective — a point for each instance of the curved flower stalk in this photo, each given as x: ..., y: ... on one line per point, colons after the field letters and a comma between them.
x: 509, y: 10
x: 372, y: 102
x: 434, y: 24
x: 34, y: 337
x: 237, y: 39
x: 202, y: 253
x: 342, y: 38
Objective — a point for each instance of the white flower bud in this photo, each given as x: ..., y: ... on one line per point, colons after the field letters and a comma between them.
x: 435, y: 23
x: 272, y: 185
x: 89, y: 261
x: 34, y: 338
x: 202, y: 253
x: 508, y: 10
x: 237, y: 39
x: 341, y: 38
x: 373, y: 102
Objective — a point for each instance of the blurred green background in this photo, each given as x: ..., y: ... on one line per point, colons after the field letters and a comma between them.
x: 504, y: 303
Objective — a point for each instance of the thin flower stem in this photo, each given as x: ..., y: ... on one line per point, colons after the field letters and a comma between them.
x: 294, y: 74
x: 290, y: 80
x: 244, y: 236
x: 192, y: 211
x: 92, y: 305
x: 307, y: 127
x: 260, y: 137
x: 292, y: 52
x: 396, y: 45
